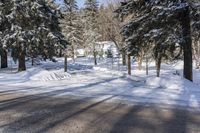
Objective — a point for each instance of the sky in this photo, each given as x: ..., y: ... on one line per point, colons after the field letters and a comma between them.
x: 81, y: 2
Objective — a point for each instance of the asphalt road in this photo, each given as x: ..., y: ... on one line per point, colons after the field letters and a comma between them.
x: 38, y: 113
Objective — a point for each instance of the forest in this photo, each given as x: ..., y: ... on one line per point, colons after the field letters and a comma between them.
x: 167, y: 31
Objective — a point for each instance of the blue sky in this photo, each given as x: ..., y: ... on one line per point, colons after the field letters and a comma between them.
x: 81, y: 2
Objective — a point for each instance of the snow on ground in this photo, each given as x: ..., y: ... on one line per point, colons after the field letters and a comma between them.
x: 105, y: 80
x: 45, y: 75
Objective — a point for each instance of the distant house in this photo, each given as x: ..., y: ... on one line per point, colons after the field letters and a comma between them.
x: 80, y: 52
x: 107, y: 46
x: 102, y: 48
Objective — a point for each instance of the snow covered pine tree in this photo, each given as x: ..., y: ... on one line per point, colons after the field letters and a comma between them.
x: 152, y: 19
x: 4, y: 29
x: 91, y: 35
x: 34, y: 29
x: 72, y: 27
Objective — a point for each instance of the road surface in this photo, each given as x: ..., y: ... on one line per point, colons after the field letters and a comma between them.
x: 20, y: 113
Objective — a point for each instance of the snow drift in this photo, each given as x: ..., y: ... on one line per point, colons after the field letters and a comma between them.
x: 45, y: 75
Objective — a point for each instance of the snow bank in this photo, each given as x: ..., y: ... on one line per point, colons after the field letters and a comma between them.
x: 167, y: 83
x: 172, y: 82
x: 35, y: 74
x: 196, y: 74
x: 50, y: 75
x: 16, y: 77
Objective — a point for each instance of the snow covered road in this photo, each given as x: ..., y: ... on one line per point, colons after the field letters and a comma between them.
x: 34, y: 110
x: 96, y: 100
x: 100, y: 84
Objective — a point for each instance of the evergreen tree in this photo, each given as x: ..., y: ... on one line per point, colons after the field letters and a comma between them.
x: 71, y: 26
x: 91, y: 35
x: 196, y: 34
x: 5, y: 6
x: 34, y: 30
x: 155, y: 20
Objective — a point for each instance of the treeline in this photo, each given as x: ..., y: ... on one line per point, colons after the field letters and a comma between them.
x: 44, y: 29
x: 29, y: 29
x: 162, y: 30
x: 159, y: 30
x: 92, y: 23
x: 147, y: 30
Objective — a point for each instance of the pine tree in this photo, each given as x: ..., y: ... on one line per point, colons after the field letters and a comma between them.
x: 91, y: 35
x: 71, y: 26
x: 34, y: 30
x: 155, y: 20
x: 4, y: 29
x: 196, y: 34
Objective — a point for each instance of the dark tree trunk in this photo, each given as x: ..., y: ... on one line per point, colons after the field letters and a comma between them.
x: 124, y: 58
x: 95, y: 58
x: 60, y: 52
x: 22, y: 62
x: 147, y: 66
x: 65, y: 64
x: 187, y: 45
x: 4, y: 59
x: 129, y: 65
x: 32, y: 61
x: 158, y: 65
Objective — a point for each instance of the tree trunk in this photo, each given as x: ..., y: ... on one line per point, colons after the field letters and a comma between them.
x: 187, y: 45
x: 124, y: 58
x: 65, y: 63
x: 139, y: 60
x: 129, y: 65
x: 147, y: 66
x: 158, y: 65
x: 32, y: 61
x: 4, y: 59
x: 22, y: 62
x: 73, y: 54
x: 60, y: 52
x: 95, y: 58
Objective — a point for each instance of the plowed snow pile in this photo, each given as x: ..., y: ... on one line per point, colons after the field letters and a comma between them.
x: 50, y: 75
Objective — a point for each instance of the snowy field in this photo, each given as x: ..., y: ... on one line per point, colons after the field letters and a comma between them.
x: 105, y: 80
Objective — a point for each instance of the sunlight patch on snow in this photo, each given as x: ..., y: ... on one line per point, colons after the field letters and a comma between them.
x: 166, y: 83
x: 193, y: 102
x: 100, y: 69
